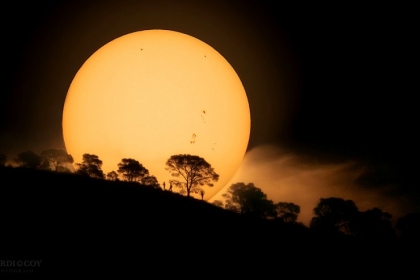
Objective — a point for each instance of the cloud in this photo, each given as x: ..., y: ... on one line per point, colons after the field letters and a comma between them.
x: 301, y: 179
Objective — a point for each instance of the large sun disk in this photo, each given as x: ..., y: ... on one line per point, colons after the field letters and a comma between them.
x: 151, y: 94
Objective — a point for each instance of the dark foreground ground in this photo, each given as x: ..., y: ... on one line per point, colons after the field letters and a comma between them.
x: 84, y: 227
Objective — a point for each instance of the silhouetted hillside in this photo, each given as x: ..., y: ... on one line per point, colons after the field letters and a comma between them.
x: 80, y: 225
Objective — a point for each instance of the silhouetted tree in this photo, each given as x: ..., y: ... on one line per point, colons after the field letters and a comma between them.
x: 375, y: 225
x: 3, y: 159
x: 218, y: 203
x: 150, y: 181
x: 28, y: 159
x: 333, y: 215
x: 132, y: 170
x: 287, y: 212
x: 192, y: 171
x: 91, y: 166
x: 113, y: 176
x: 409, y: 226
x: 63, y: 169
x: 56, y: 157
x: 248, y: 199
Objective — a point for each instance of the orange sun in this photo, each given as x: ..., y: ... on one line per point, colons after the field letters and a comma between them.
x: 151, y: 94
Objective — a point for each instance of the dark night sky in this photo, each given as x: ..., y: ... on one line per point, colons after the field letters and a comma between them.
x: 327, y: 83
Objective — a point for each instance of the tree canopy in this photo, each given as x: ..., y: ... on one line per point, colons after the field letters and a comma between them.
x: 287, y: 212
x: 334, y: 215
x: 112, y: 175
x: 28, y: 159
x: 3, y: 159
x: 374, y: 224
x: 132, y: 170
x: 191, y: 172
x: 249, y: 200
x: 409, y: 226
x: 150, y: 181
x: 57, y: 157
x: 218, y: 203
x: 90, y: 166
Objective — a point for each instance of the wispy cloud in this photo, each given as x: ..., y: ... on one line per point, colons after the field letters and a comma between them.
x: 288, y: 177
